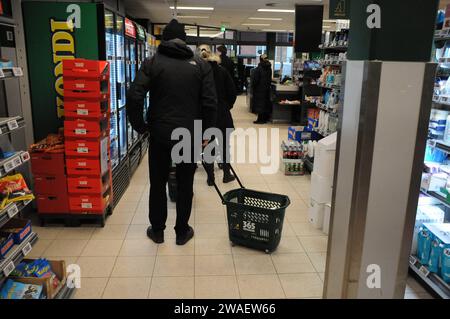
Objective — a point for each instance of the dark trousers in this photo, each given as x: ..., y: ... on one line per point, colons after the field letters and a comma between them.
x: 159, y: 164
x: 224, y: 152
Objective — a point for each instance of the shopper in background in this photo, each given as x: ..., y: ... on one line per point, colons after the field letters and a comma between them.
x: 182, y: 90
x: 226, y: 63
x: 261, y: 87
x: 226, y: 97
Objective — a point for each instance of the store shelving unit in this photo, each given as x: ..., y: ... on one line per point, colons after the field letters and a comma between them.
x: 16, y: 255
x: 12, y: 210
x: 431, y: 281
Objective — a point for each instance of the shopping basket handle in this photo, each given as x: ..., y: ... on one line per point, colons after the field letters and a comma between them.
x: 214, y: 182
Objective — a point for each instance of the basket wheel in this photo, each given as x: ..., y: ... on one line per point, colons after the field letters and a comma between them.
x: 232, y: 244
x: 267, y: 251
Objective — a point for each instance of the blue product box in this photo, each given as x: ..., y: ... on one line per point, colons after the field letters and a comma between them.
x: 424, y: 246
x: 445, y: 265
x: 18, y: 228
x: 6, y: 245
x: 435, y: 256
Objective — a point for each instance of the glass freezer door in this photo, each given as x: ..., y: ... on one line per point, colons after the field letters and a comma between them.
x: 111, y: 58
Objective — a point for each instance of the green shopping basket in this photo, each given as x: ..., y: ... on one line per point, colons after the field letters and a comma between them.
x: 255, y: 219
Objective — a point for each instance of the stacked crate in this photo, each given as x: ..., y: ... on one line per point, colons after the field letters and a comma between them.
x: 50, y: 182
x: 86, y: 132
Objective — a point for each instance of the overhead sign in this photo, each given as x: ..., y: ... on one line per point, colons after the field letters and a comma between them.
x: 130, y: 30
x: 339, y: 9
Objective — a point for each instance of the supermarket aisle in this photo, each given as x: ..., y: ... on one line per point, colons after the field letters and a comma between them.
x: 119, y: 261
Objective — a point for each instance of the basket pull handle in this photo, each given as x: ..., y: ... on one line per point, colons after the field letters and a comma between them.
x: 235, y: 175
x: 215, y: 185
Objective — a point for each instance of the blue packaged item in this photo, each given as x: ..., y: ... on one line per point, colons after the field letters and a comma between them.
x: 17, y: 290
x: 445, y: 265
x: 424, y: 246
x: 435, y: 256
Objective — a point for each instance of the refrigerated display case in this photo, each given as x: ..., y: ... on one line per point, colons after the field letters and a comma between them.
x: 121, y: 87
x: 130, y: 64
x: 140, y: 57
x: 111, y: 57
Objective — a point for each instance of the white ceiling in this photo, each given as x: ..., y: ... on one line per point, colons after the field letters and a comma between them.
x: 232, y: 13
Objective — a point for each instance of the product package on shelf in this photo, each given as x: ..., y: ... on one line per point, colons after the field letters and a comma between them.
x: 49, y: 172
x: 13, y: 188
x: 45, y: 277
x: 292, y: 157
x: 433, y: 244
x: 87, y: 133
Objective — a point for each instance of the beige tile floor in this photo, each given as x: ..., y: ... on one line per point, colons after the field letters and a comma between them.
x: 119, y: 261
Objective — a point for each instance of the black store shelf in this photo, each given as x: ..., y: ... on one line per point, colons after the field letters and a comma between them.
x: 16, y: 255
x: 12, y: 210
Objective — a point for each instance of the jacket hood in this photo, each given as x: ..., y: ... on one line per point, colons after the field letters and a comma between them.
x: 175, y: 49
x: 214, y: 58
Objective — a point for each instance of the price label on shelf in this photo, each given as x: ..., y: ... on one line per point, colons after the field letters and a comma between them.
x: 26, y: 250
x: 82, y: 112
x: 424, y: 270
x: 412, y: 260
x: 9, y: 268
x: 2, y: 74
x: 17, y: 161
x: 86, y: 205
x: 25, y: 156
x: 17, y: 71
x: 12, y: 210
x: 12, y: 125
x: 80, y: 131
x: 82, y: 150
x: 9, y: 166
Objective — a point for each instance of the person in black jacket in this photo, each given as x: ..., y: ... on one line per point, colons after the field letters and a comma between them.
x: 261, y: 86
x: 182, y: 90
x: 226, y: 97
x: 226, y: 63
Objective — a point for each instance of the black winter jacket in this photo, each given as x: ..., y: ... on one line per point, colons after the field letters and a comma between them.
x: 182, y: 90
x: 228, y: 65
x: 226, y: 96
x: 262, y: 82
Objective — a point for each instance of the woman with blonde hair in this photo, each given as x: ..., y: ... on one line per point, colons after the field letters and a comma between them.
x: 226, y: 97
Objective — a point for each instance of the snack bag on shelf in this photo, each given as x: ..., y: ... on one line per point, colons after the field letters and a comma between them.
x: 13, y: 188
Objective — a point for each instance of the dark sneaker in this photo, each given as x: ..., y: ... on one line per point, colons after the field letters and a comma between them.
x: 210, y: 182
x: 182, y: 240
x: 227, y: 178
x: 157, y: 237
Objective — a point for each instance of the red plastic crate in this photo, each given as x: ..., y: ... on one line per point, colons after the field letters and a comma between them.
x: 79, y: 128
x: 86, y: 109
x: 85, y: 148
x: 93, y: 204
x: 86, y: 89
x: 87, y: 185
x: 50, y: 184
x: 53, y: 204
x: 81, y: 68
x: 47, y: 163
x: 83, y: 167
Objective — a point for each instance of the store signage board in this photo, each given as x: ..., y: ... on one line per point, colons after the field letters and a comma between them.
x: 130, y: 30
x: 140, y: 32
x: 383, y: 30
x: 49, y: 41
x: 339, y: 9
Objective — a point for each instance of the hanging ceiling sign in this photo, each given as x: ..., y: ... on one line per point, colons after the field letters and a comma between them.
x: 339, y: 9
